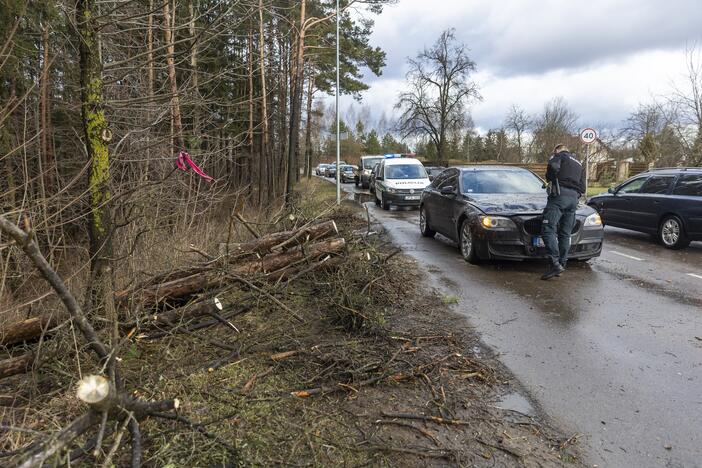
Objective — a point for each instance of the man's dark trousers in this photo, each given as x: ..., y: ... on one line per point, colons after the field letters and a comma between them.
x: 559, y: 219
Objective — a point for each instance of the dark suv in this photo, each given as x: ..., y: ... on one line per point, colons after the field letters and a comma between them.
x: 666, y: 203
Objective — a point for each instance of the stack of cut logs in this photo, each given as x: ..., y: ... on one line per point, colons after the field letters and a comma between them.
x: 273, y: 257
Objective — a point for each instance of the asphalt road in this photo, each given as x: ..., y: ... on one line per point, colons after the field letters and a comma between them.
x: 612, y: 350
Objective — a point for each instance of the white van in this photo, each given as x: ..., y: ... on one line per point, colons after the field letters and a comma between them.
x: 400, y: 182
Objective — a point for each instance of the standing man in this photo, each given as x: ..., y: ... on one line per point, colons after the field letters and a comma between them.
x: 565, y: 177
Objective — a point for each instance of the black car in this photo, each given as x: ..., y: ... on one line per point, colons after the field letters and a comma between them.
x: 666, y: 203
x: 494, y: 212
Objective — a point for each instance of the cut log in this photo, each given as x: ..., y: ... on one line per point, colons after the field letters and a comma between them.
x: 280, y: 240
x: 183, y: 287
x: 26, y: 330
x: 16, y: 365
x: 237, y: 253
x: 275, y: 262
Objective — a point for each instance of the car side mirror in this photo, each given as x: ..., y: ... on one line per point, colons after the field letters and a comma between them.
x: 431, y: 178
x: 448, y: 190
x: 611, y: 190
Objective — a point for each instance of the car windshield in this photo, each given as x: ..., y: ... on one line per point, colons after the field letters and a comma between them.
x: 405, y: 171
x: 371, y: 162
x: 500, y: 182
x: 347, y: 169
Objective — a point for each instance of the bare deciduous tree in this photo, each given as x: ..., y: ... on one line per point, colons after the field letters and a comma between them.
x: 518, y: 123
x: 440, y: 91
x: 554, y: 126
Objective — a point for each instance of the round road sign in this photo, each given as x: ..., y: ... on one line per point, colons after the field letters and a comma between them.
x: 588, y: 135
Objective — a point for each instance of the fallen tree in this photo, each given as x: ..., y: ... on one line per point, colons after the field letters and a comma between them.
x: 216, y: 277
x: 27, y: 330
x: 279, y: 255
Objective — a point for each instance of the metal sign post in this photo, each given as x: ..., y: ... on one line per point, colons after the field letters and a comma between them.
x: 338, y: 128
x: 587, y: 136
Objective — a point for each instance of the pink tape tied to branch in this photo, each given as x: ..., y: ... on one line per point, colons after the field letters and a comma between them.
x: 183, y: 158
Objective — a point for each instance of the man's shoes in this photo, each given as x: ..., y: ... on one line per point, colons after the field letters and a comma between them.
x: 555, y: 270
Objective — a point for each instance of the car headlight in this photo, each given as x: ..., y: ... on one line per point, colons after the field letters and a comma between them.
x: 497, y: 223
x: 593, y: 220
x: 366, y: 172
x: 392, y: 190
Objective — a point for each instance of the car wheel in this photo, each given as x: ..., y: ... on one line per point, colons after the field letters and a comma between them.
x: 424, y: 223
x: 356, y: 181
x: 467, y: 244
x: 672, y: 234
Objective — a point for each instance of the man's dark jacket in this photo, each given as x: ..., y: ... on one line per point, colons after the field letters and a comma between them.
x: 566, y: 175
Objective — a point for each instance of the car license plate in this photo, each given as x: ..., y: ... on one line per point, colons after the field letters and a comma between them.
x: 537, y: 241
x: 412, y: 197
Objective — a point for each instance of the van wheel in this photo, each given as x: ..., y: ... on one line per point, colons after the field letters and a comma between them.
x: 424, y: 223
x: 672, y: 234
x: 384, y: 202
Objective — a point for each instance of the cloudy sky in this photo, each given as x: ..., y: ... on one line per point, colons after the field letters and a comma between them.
x: 604, y: 57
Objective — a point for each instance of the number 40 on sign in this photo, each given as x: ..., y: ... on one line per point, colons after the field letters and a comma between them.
x: 588, y: 135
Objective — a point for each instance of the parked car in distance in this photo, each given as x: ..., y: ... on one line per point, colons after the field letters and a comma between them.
x: 434, y: 171
x: 319, y: 170
x: 331, y: 170
x: 371, y: 178
x: 495, y: 212
x: 348, y: 173
x: 666, y: 203
x: 364, y: 170
x: 399, y: 181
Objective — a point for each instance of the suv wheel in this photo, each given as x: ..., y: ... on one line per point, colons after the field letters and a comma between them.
x: 424, y: 223
x: 671, y: 233
x: 466, y: 244
x: 384, y: 202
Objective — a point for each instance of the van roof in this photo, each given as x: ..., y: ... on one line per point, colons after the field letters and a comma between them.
x: 396, y: 161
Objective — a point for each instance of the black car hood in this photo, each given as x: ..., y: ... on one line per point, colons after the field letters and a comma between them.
x: 515, y: 204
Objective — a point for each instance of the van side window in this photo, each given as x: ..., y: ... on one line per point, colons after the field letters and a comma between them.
x: 689, y: 185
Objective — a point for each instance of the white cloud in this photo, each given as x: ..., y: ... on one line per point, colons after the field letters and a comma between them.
x: 604, y: 94
x: 603, y: 57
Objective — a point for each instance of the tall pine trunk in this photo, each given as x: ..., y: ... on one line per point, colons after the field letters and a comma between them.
x: 308, y: 126
x: 170, y: 63
x: 45, y: 116
x: 264, y: 108
x: 296, y: 87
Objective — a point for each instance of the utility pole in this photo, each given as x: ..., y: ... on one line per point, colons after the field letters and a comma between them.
x: 338, y: 127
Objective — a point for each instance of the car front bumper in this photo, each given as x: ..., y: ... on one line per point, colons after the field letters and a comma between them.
x: 585, y: 243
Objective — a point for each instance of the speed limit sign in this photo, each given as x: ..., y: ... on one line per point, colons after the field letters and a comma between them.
x: 588, y: 135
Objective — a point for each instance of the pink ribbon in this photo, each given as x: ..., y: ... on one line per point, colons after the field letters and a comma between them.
x: 184, y: 157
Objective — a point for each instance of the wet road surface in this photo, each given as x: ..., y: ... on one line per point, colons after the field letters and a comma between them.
x: 612, y: 350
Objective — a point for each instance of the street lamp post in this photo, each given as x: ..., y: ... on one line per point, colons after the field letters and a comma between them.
x: 338, y: 128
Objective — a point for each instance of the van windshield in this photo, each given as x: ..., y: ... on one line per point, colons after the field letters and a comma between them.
x: 371, y: 162
x: 405, y: 171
